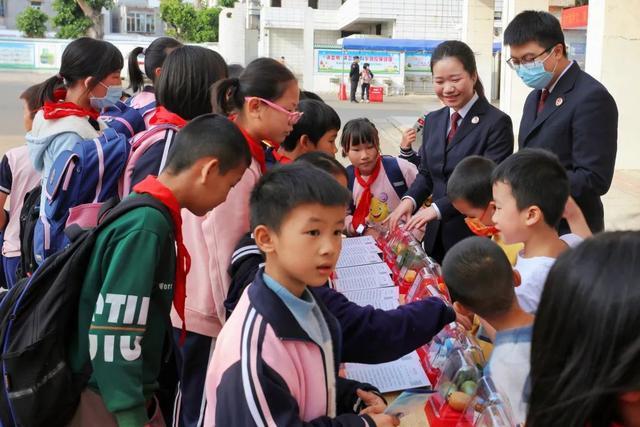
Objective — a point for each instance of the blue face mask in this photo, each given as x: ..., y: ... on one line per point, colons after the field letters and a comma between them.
x: 535, y: 76
x: 113, y: 95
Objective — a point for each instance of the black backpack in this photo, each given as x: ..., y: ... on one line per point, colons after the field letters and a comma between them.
x: 28, y: 218
x: 37, y: 319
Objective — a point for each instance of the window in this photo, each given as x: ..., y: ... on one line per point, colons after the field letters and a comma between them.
x: 2, y: 12
x: 35, y: 4
x: 141, y: 22
x: 378, y: 29
x: 313, y: 4
x: 276, y: 3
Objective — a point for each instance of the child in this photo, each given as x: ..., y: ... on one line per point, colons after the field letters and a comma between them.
x: 154, y: 57
x: 530, y: 191
x: 88, y: 81
x: 369, y: 335
x: 470, y: 192
x: 264, y: 99
x: 366, y: 75
x: 182, y: 93
x: 379, y: 181
x: 277, y: 357
x: 480, y: 280
x: 134, y: 270
x: 316, y: 130
x: 17, y: 178
x: 585, y: 351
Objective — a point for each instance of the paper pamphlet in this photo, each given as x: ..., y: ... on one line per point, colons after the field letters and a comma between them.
x: 402, y: 374
x: 363, y: 277
x: 382, y: 298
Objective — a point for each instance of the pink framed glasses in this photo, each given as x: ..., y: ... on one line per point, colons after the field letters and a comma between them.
x: 292, y: 116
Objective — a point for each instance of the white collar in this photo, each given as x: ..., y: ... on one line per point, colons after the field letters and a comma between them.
x: 553, y: 86
x: 464, y: 110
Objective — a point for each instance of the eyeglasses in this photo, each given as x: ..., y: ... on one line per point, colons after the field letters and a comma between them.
x: 516, y: 63
x: 292, y: 116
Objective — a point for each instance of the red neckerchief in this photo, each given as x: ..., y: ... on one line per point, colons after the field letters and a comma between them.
x: 257, y: 150
x: 150, y: 185
x: 163, y: 116
x: 281, y: 158
x: 362, y: 210
x: 60, y: 108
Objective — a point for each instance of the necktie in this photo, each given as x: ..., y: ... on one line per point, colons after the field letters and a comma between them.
x: 454, y: 126
x: 543, y: 97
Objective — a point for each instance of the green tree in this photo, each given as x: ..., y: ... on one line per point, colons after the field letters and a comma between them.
x: 76, y: 18
x: 187, y: 23
x: 32, y: 22
x: 226, y: 3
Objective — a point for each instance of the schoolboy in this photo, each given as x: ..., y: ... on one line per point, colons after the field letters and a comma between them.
x: 135, y: 273
x: 316, y: 130
x: 530, y: 191
x: 470, y: 191
x: 369, y: 335
x: 481, y: 281
x: 277, y: 357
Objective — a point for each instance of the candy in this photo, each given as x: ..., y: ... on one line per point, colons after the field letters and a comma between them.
x: 469, y: 387
x: 410, y: 276
x: 446, y: 388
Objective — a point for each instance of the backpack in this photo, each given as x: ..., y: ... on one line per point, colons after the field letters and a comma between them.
x: 393, y: 171
x: 37, y: 318
x: 28, y: 218
x: 125, y: 119
x: 80, y: 180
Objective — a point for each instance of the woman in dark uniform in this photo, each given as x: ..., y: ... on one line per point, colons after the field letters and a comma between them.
x: 467, y: 125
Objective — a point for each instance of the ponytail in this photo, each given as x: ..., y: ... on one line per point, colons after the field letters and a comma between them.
x: 226, y: 96
x: 45, y: 90
x: 136, y: 79
x: 264, y: 78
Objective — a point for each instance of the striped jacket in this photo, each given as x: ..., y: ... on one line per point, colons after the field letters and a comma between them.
x: 266, y: 371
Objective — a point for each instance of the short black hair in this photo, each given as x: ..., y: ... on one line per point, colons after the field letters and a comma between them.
x: 210, y: 135
x: 30, y: 97
x: 325, y: 162
x: 359, y: 131
x: 235, y: 70
x: 471, y: 181
x: 184, y: 85
x: 536, y: 177
x: 478, y: 274
x: 356, y: 57
x: 284, y: 188
x: 535, y: 26
x: 307, y: 94
x: 318, y: 119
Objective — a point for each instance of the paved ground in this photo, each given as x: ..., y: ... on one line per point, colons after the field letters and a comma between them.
x: 622, y: 203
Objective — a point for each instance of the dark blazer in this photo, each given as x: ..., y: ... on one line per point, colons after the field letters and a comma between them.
x: 490, y: 136
x: 579, y: 123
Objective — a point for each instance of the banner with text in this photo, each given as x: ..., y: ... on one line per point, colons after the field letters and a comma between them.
x: 336, y: 60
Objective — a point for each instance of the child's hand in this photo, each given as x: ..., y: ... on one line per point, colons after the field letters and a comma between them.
x: 384, y: 420
x: 400, y: 213
x: 464, y: 321
x: 408, y: 138
x: 374, y: 403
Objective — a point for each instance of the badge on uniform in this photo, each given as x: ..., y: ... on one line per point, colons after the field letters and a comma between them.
x: 475, y: 120
x: 559, y: 101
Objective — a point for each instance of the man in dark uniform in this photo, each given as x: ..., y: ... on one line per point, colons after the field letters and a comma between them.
x: 354, y: 76
x: 568, y: 113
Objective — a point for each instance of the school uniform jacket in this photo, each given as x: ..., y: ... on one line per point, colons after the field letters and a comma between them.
x: 484, y: 131
x: 266, y: 371
x: 579, y: 123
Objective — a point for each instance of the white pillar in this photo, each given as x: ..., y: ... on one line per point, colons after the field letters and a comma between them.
x: 308, y: 42
x: 512, y: 91
x: 477, y: 32
x: 613, y: 57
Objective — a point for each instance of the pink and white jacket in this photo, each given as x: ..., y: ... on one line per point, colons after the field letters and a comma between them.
x: 266, y: 371
x: 211, y: 241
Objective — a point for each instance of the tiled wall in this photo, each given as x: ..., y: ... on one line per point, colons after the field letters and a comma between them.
x: 288, y: 43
